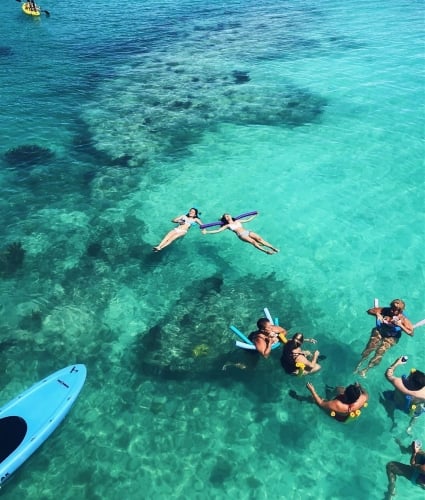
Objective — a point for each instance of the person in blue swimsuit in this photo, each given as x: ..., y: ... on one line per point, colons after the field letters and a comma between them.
x: 415, y: 472
x: 409, y: 393
x: 390, y: 324
x: 243, y: 234
x: 185, y: 222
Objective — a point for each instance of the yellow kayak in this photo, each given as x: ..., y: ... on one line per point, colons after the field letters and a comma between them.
x: 26, y: 8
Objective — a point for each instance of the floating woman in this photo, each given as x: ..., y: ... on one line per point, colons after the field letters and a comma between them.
x: 184, y: 224
x: 235, y: 225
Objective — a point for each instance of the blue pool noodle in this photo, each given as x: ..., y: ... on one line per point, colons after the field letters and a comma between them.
x: 219, y: 223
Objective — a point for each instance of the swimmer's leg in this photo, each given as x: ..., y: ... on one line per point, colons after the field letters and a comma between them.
x: 395, y: 469
x: 386, y: 344
x: 168, y: 239
x: 254, y: 243
x: 409, y: 427
x: 260, y: 240
x: 374, y: 341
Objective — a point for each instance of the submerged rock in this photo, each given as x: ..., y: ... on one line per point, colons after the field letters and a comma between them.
x: 28, y: 155
x: 240, y: 77
x: 11, y: 258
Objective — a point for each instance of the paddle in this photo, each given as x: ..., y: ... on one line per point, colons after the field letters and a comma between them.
x: 37, y: 7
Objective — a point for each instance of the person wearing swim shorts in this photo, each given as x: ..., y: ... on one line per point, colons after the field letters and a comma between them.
x: 409, y: 391
x: 185, y: 222
x: 243, y: 234
x: 415, y: 472
x: 266, y: 335
x: 390, y: 324
x: 292, y: 354
x: 347, y: 401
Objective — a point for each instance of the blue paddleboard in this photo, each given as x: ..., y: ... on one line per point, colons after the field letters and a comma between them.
x: 29, y: 419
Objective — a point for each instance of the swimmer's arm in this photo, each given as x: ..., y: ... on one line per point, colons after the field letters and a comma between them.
x: 222, y: 228
x: 263, y: 345
x: 311, y: 364
x: 198, y: 221
x: 177, y: 219
x: 375, y: 311
x: 389, y: 374
x: 317, y: 399
x: 278, y: 329
x: 397, y: 382
x: 406, y: 325
x: 248, y: 219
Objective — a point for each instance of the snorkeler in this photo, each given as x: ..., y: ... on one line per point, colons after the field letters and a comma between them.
x: 243, y: 234
x: 184, y: 224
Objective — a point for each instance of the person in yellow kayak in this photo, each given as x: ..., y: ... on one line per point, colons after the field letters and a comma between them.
x: 32, y: 6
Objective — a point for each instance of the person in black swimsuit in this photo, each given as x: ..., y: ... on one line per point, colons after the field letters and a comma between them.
x: 293, y: 355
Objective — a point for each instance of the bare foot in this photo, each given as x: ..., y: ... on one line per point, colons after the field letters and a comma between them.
x: 357, y: 368
x: 156, y: 249
x: 363, y: 373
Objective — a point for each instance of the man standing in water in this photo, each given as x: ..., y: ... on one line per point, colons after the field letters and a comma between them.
x: 390, y: 323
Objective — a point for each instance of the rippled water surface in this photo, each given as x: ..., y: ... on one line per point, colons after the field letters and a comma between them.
x: 116, y: 120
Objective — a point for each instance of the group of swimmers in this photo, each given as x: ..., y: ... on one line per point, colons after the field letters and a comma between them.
x: 345, y: 403
x: 186, y: 221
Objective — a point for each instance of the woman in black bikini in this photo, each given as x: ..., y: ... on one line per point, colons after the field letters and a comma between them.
x: 292, y: 355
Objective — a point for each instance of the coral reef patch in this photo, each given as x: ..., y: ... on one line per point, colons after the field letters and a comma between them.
x: 11, y: 259
x: 28, y: 155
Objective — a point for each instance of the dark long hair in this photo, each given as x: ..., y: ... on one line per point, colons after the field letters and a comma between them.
x: 197, y: 213
x: 352, y: 394
x: 287, y: 359
x: 223, y: 219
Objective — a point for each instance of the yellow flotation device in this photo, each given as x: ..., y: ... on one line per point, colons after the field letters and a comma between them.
x: 352, y: 416
x: 283, y: 338
x: 26, y: 8
x: 300, y: 368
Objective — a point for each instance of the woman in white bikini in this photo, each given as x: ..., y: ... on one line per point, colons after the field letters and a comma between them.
x: 250, y: 237
x: 184, y: 224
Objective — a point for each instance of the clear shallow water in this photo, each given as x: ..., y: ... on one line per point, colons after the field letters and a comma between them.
x: 150, y: 112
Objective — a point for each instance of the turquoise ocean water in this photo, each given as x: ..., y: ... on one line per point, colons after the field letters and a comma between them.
x: 311, y: 113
